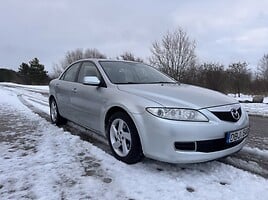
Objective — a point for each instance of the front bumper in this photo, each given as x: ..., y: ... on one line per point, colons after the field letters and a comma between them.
x: 158, y: 137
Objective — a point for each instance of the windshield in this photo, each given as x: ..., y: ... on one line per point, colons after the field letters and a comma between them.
x: 133, y: 73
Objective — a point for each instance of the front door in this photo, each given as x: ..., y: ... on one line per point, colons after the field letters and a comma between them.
x: 88, y: 99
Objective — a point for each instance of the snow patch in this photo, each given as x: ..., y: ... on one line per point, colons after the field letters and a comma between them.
x: 259, y: 109
x: 261, y: 152
x: 58, y: 165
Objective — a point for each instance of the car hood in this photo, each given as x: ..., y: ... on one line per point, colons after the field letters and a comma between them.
x: 178, y: 95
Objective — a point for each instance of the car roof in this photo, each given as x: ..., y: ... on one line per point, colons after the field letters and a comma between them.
x: 104, y: 59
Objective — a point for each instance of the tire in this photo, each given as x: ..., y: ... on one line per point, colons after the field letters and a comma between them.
x: 123, y: 138
x: 55, y: 117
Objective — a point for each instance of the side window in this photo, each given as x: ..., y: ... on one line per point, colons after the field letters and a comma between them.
x: 88, y: 69
x: 71, y: 73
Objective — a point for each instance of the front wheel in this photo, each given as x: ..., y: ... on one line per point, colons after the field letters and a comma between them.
x: 55, y: 117
x: 124, y: 139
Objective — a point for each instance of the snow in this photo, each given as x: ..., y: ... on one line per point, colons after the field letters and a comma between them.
x: 249, y: 165
x: 32, y: 96
x: 242, y: 97
x: 260, y: 109
x: 256, y: 151
x: 43, y: 88
x: 41, y: 161
x: 41, y: 103
x: 245, y: 97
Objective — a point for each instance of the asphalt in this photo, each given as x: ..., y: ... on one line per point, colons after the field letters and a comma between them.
x: 258, y: 136
x: 251, y: 161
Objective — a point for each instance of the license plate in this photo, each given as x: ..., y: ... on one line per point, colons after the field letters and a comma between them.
x: 236, y: 135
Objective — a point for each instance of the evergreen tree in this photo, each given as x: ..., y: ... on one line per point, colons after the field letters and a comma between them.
x: 33, y: 73
x: 37, y: 72
x: 9, y: 75
x: 24, y: 71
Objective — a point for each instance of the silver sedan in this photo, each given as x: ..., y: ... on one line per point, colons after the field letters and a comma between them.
x: 143, y: 112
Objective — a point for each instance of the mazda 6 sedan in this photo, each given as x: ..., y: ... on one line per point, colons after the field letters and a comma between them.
x: 143, y: 112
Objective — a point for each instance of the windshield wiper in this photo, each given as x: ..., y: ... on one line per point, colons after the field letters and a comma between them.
x: 165, y: 82
x: 130, y: 83
x: 159, y: 82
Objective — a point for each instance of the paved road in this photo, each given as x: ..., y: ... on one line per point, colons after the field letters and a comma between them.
x: 251, y: 159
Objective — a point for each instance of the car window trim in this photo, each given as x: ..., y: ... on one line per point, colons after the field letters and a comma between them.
x: 100, y: 61
x: 103, y: 83
x: 76, y: 75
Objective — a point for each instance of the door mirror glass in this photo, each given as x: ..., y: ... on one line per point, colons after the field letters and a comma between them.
x: 91, y: 80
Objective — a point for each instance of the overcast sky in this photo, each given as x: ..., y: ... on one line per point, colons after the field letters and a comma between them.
x: 225, y: 31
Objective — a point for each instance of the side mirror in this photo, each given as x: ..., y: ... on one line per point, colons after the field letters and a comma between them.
x: 91, y: 80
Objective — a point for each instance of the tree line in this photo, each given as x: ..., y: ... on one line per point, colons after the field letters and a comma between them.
x: 175, y: 55
x: 32, y: 73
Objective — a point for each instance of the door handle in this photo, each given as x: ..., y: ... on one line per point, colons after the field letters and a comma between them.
x: 74, y: 90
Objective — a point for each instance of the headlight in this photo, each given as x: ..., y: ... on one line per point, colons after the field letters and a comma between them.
x: 180, y: 114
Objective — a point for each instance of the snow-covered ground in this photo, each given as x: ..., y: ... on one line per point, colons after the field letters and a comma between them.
x: 41, y: 161
x: 244, y: 97
x: 255, y: 151
x: 42, y: 88
x: 260, y: 109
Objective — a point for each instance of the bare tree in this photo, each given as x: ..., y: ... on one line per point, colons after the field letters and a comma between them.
x: 213, y: 76
x: 72, y: 56
x: 130, y: 56
x: 239, y: 77
x: 174, y: 53
x: 193, y: 75
x: 93, y: 53
x: 263, y: 67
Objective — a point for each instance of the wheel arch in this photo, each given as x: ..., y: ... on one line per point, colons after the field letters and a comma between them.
x: 114, y: 110
x: 50, y: 99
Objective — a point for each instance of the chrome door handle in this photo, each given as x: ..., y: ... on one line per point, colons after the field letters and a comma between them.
x: 74, y: 90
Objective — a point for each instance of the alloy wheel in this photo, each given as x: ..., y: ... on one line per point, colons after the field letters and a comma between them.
x: 53, y: 111
x: 120, y: 137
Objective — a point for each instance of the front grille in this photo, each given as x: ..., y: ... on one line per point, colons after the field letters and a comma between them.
x: 227, y: 116
x: 205, y: 146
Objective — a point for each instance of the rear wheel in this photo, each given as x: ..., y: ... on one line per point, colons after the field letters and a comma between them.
x: 55, y: 117
x: 124, y: 139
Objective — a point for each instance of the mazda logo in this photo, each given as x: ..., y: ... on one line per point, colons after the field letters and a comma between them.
x: 235, y: 114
